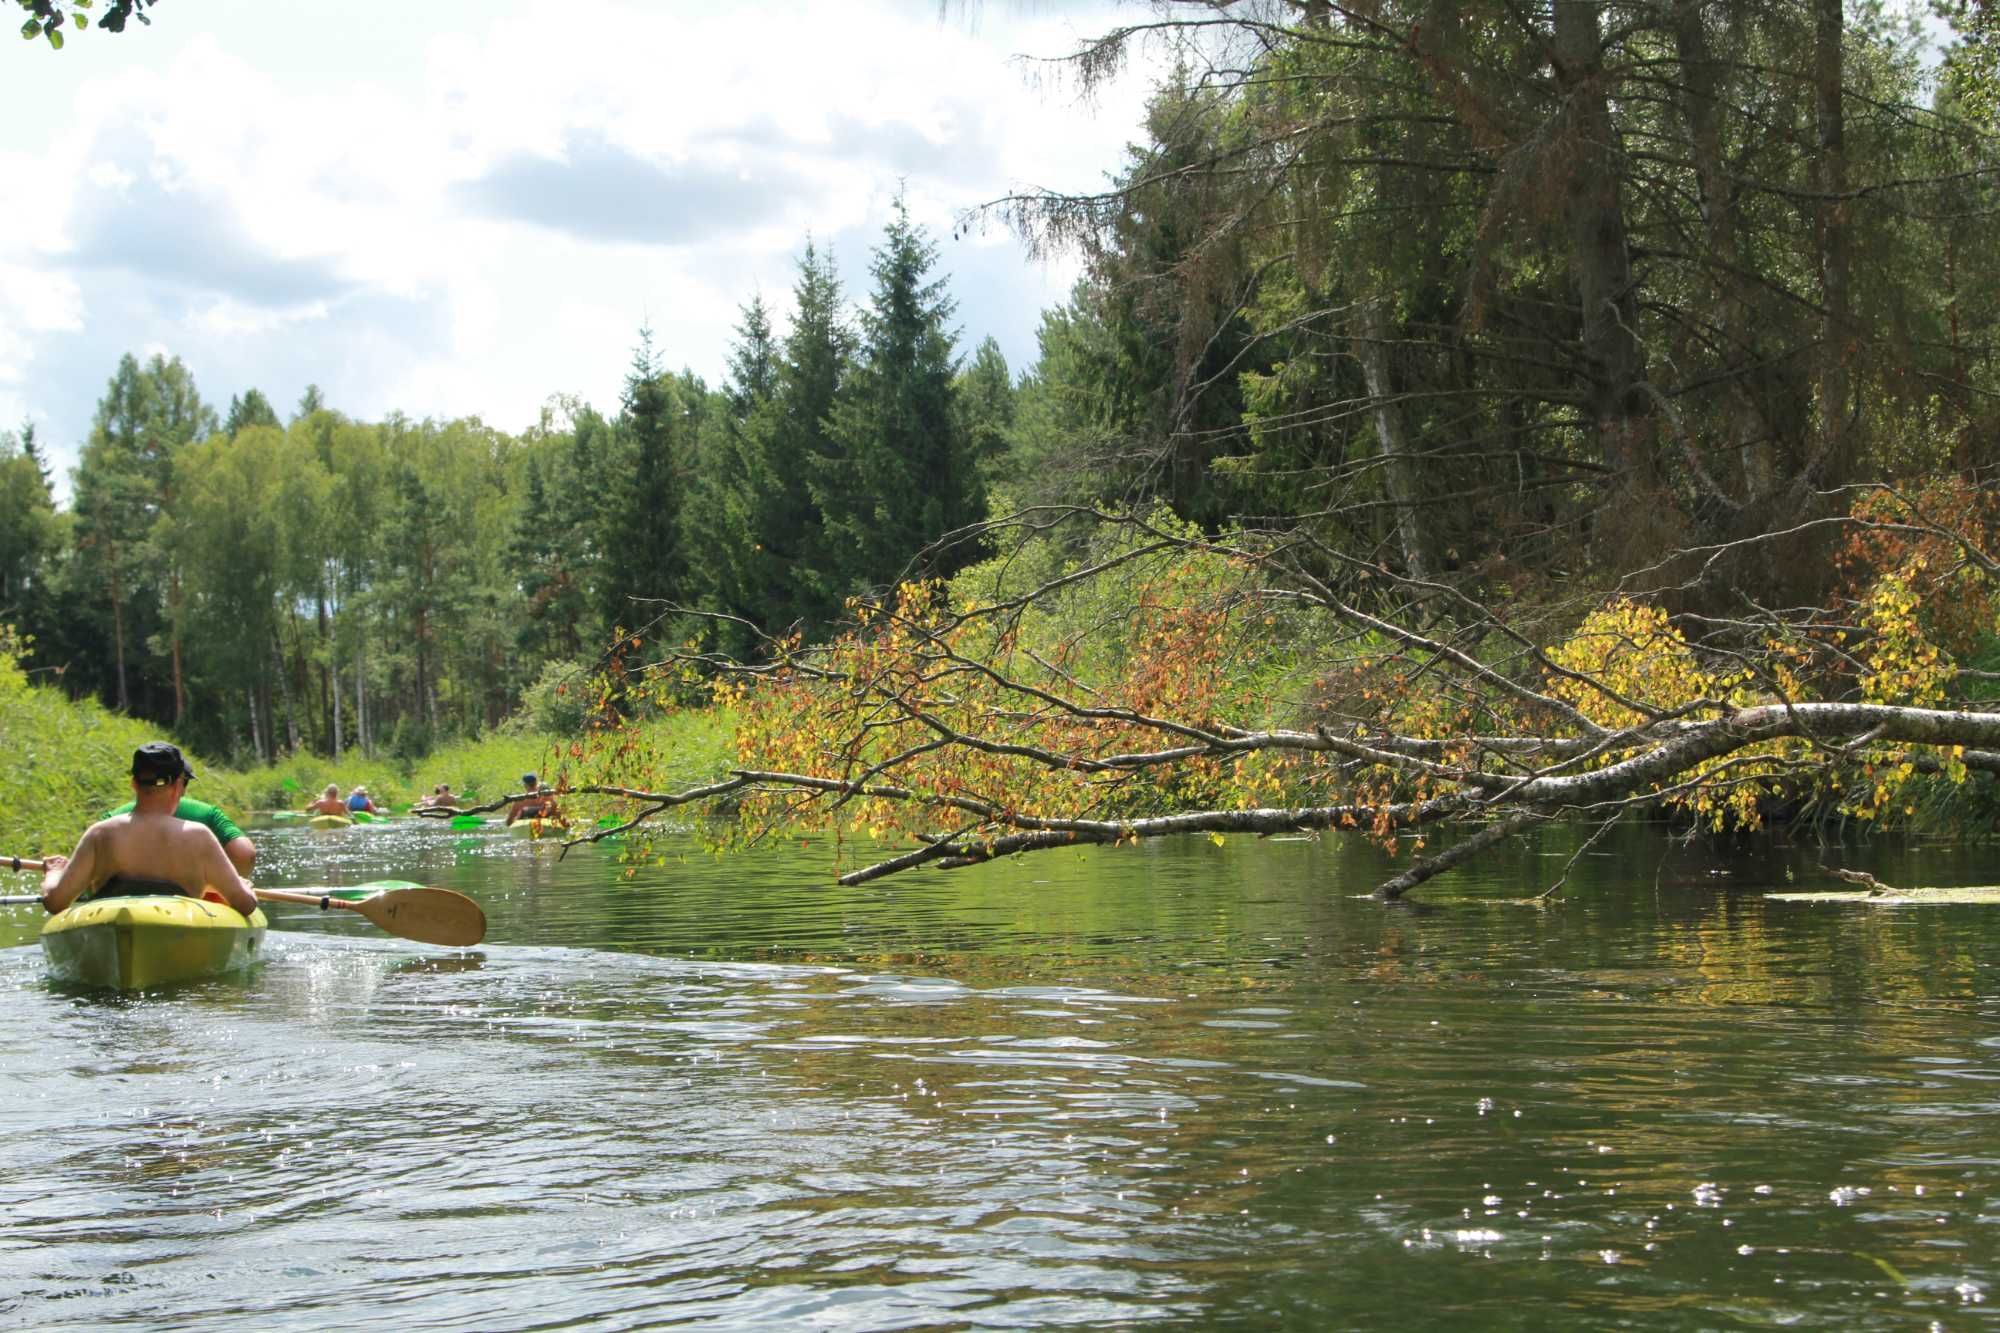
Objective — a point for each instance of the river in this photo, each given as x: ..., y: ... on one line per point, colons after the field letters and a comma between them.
x: 1178, y: 1085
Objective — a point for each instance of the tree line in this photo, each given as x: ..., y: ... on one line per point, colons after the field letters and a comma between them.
x: 264, y: 585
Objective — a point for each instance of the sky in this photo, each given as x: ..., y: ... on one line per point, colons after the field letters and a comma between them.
x: 465, y: 207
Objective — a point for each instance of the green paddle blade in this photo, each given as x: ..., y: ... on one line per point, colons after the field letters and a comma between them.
x: 289, y: 784
x: 467, y: 821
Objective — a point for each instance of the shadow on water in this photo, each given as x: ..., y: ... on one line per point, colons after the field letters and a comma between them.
x: 1175, y: 1084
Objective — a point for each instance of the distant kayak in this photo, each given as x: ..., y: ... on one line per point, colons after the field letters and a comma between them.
x: 539, y: 828
x: 330, y: 821
x: 135, y: 943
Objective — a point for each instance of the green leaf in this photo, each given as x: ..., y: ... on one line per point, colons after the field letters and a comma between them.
x: 55, y: 39
x: 82, y: 4
x: 31, y: 30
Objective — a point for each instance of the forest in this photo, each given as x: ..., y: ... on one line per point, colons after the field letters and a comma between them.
x: 1459, y: 401
x: 262, y: 586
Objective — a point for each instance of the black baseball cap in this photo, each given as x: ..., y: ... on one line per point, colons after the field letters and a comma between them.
x: 156, y: 763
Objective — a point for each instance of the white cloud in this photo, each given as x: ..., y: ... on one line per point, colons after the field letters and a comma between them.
x: 474, y: 205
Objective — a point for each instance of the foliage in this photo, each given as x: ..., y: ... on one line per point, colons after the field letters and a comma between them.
x: 1172, y: 640
x: 1931, y: 536
x: 68, y: 760
x: 47, y: 18
x: 1556, y: 286
x: 1628, y: 665
x: 559, y: 703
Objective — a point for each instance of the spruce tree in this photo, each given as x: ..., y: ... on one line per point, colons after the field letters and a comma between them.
x: 904, y: 476
x: 641, y: 519
x: 793, y: 447
x: 721, y: 505
x: 985, y: 397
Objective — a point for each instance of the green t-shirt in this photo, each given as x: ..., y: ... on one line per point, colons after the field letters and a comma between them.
x: 201, y: 812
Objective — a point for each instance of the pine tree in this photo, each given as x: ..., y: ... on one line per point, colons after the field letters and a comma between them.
x: 721, y: 506
x: 31, y: 449
x: 799, y: 582
x: 904, y: 477
x: 985, y: 397
x: 311, y: 401
x: 641, y: 517
x: 252, y: 409
x: 27, y: 528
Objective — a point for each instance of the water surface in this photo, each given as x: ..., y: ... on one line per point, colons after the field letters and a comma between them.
x: 1178, y: 1085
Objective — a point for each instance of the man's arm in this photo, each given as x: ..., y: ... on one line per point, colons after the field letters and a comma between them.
x: 241, y: 851
x: 220, y: 874
x: 242, y: 854
x: 66, y: 877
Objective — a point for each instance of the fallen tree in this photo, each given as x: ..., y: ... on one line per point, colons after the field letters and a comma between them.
x: 1136, y: 679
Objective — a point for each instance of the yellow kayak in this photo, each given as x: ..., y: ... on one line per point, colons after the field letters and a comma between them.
x: 330, y: 821
x: 134, y: 943
x: 539, y: 828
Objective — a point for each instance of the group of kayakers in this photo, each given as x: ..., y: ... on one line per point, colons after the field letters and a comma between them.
x: 162, y: 842
x: 330, y: 802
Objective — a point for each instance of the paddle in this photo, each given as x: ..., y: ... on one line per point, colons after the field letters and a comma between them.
x: 429, y: 916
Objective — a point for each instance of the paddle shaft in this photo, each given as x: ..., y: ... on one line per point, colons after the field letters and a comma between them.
x: 23, y: 863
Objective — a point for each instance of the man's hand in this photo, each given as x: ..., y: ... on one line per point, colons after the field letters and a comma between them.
x: 52, y: 868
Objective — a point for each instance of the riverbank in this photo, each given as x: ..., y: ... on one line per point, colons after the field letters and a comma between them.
x: 68, y: 763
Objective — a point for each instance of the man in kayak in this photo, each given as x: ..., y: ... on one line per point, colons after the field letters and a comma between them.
x: 150, y: 850
x: 534, y: 805
x: 360, y: 802
x: 329, y: 802
x: 236, y: 844
x: 440, y: 798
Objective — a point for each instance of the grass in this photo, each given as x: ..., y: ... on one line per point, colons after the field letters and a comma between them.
x: 69, y: 761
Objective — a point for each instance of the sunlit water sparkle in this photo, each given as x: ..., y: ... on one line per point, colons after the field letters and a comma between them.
x: 1181, y: 1085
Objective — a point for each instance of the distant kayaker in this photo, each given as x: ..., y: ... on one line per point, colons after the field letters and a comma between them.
x: 534, y: 805
x: 149, y: 850
x: 360, y: 802
x: 329, y: 802
x: 441, y: 798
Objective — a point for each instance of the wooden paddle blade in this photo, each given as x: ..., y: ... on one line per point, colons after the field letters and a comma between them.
x: 431, y: 916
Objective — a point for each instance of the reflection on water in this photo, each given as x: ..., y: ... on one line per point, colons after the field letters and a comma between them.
x: 1173, y: 1084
